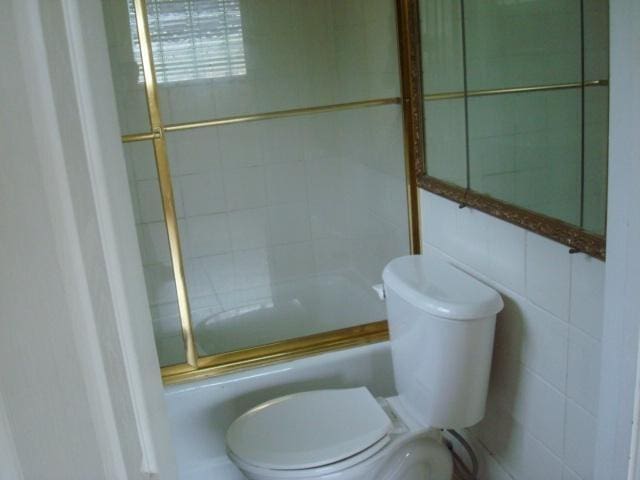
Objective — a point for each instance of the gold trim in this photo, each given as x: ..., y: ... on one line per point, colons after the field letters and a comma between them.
x: 276, y: 352
x: 198, y: 368
x: 176, y: 127
x: 574, y: 237
x: 281, y: 114
x: 138, y: 137
x: 409, y: 51
x: 164, y: 179
x: 503, y: 91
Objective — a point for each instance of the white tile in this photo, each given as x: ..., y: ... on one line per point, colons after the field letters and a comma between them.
x: 245, y: 188
x: 580, y: 441
x: 245, y: 297
x: 140, y: 157
x: 220, y: 271
x: 587, y: 294
x: 161, y: 287
x: 471, y: 241
x: 327, y: 177
x: 548, y: 274
x: 249, y: 228
x: 329, y: 218
x: 208, y: 235
x: 202, y: 193
x: 149, y: 201
x: 198, y: 284
x: 290, y: 261
x: 194, y: 151
x: 583, y: 376
x: 331, y: 253
x: 438, y: 220
x: 166, y: 326
x: 283, y: 141
x: 134, y: 202
x: 165, y: 310
x: 492, y: 468
x: 506, y: 254
x: 568, y: 474
x: 534, y: 461
x: 289, y: 223
x: 202, y: 307
x: 277, y: 92
x: 189, y: 102
x: 136, y: 111
x: 286, y: 183
x: 170, y: 350
x: 522, y: 455
x: 365, y: 223
x: 234, y: 97
x: 540, y: 408
x: 241, y: 145
x: 154, y: 243
x: 251, y: 268
x: 544, y: 348
x: 319, y: 134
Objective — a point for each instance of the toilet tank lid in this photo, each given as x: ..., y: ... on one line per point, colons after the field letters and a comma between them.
x: 440, y: 288
x: 308, y: 429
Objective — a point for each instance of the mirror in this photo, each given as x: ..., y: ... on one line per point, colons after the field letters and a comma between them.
x: 515, y: 101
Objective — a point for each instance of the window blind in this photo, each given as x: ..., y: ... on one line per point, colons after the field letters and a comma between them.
x: 192, y: 39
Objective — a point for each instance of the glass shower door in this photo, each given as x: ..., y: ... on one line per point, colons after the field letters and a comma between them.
x: 283, y: 130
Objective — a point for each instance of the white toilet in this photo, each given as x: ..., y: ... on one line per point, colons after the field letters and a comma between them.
x: 441, y: 323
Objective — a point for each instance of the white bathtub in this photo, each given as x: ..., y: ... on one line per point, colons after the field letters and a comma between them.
x: 245, y: 318
x: 313, y: 304
x: 201, y: 412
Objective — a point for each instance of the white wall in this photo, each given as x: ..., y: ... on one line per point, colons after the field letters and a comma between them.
x: 622, y: 311
x: 543, y: 403
x: 81, y: 392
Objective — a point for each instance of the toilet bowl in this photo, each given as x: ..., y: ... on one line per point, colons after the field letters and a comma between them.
x: 343, y: 434
x: 441, y: 324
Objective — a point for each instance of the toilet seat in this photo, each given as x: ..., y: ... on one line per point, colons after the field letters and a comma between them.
x: 310, y: 430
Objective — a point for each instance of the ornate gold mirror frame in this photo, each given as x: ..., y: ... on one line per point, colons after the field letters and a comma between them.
x: 196, y: 366
x: 576, y: 238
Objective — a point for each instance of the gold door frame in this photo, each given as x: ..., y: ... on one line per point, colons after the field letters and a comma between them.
x: 197, y: 367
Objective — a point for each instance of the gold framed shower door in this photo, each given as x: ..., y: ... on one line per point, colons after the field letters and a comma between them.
x: 196, y: 366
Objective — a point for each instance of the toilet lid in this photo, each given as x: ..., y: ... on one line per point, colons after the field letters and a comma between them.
x: 308, y: 429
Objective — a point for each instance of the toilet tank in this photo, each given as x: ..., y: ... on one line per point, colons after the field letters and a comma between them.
x: 441, y: 323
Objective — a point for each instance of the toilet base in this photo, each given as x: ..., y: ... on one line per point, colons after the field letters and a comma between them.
x: 413, y: 456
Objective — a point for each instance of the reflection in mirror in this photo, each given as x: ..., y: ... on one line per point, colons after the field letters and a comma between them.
x: 215, y: 49
x: 516, y: 102
x: 443, y: 75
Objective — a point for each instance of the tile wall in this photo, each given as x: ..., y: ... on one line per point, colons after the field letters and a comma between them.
x: 543, y: 401
x: 525, y: 149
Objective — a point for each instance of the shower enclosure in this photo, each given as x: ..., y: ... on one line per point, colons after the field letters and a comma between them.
x: 265, y: 150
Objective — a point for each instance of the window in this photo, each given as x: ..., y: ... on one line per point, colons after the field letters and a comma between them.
x: 192, y: 39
